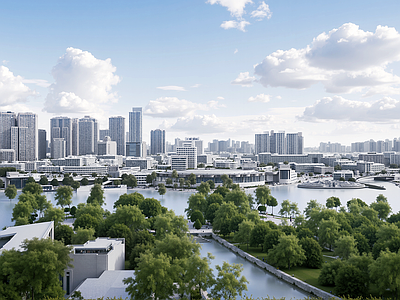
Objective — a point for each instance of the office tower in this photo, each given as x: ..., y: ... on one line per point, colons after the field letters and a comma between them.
x: 188, y: 149
x: 292, y: 143
x: 300, y: 143
x: 157, y: 141
x: 135, y: 125
x: 262, y: 142
x: 61, y: 127
x: 88, y: 135
x: 7, y: 154
x: 7, y: 120
x: 197, y: 143
x: 213, y: 147
x: 58, y: 148
x: 42, y: 144
x: 75, y: 136
x: 116, y: 128
x: 134, y: 149
x: 107, y: 146
x: 278, y: 142
x: 24, y: 137
x: 103, y: 133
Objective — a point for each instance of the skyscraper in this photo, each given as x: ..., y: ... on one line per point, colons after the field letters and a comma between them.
x: 7, y: 120
x: 42, y: 145
x: 116, y: 128
x: 24, y: 137
x: 88, y: 135
x: 262, y: 142
x: 135, y: 125
x: 61, y: 128
x: 75, y: 136
x: 157, y: 141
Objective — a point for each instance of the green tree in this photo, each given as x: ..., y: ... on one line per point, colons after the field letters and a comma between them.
x: 129, y: 199
x: 196, y: 202
x: 383, y: 208
x: 84, y: 181
x: 53, y: 214
x: 262, y: 195
x: 257, y: 235
x: 271, y: 238
x: 385, y: 272
x: 328, y: 272
x: 82, y: 235
x: 192, y: 179
x: 242, y: 235
x: 33, y: 272
x: 64, y: 196
x: 3, y: 171
x: 130, y: 181
x: 346, y: 246
x: 168, y: 181
x: 161, y: 189
x: 33, y: 188
x: 154, y: 278
x: 63, y: 233
x: 223, y: 218
x: 43, y: 180
x: 225, y: 180
x: 67, y: 180
x: 211, y: 183
x: 22, y: 212
x: 54, y: 182
x: 198, y: 273
x: 332, y: 202
x: 312, y: 251
x: 10, y: 191
x: 30, y: 180
x: 272, y: 202
x: 287, y: 253
x: 96, y: 195
x: 150, y: 207
x: 211, y: 211
x: 381, y: 197
x: 197, y: 224
x: 328, y: 232
x: 203, y: 188
x: 131, y: 216
x: 312, y: 204
x: 240, y: 200
x: 181, y: 182
x: 75, y: 185
x: 285, y: 208
x: 86, y: 221
x: 170, y: 223
x: 197, y: 215
x: 349, y: 282
x: 229, y: 284
x: 174, y: 175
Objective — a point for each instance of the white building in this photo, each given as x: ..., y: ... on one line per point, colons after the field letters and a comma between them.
x: 287, y: 175
x: 107, y: 147
x: 179, y: 162
x: 88, y: 135
x: 116, y: 128
x: 188, y: 149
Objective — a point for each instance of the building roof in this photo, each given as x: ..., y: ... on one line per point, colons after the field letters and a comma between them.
x: 13, y: 237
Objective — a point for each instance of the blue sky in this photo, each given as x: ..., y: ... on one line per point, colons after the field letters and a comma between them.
x: 215, y: 69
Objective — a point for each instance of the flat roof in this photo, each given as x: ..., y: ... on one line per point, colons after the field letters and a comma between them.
x: 20, y: 233
x: 99, y: 243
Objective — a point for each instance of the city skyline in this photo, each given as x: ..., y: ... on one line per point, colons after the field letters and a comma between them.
x: 213, y: 69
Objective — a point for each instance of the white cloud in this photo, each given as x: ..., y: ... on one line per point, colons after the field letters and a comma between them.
x: 260, y: 98
x: 235, y: 24
x: 244, y: 79
x: 236, y: 51
x: 384, y: 110
x: 12, y: 88
x: 172, y: 88
x: 344, y: 60
x: 200, y: 124
x: 220, y: 98
x: 235, y: 7
x: 196, y: 85
x: 38, y: 82
x: 82, y: 81
x: 172, y: 107
x: 262, y: 12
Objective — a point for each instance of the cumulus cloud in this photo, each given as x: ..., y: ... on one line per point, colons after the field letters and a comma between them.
x: 235, y: 7
x: 260, y: 98
x: 196, y: 85
x: 220, y: 98
x: 81, y: 83
x: 244, y: 79
x: 12, y: 88
x: 200, y: 124
x: 262, y: 12
x: 172, y: 107
x: 344, y: 60
x: 338, y: 108
x: 235, y: 24
x: 172, y: 88
x: 38, y: 82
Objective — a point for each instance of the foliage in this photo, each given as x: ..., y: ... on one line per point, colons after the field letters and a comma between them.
x: 129, y: 199
x: 239, y: 199
x: 383, y: 208
x: 161, y: 189
x: 192, y: 179
x: 64, y: 196
x: 223, y: 218
x: 328, y: 232
x: 10, y: 191
x: 197, y: 215
x: 197, y: 224
x: 3, y: 171
x: 312, y: 251
x: 43, y: 180
x: 243, y: 234
x: 211, y: 183
x: 196, y: 202
x: 84, y: 181
x: 204, y: 188
x: 150, y: 207
x: 54, y: 182
x: 328, y: 273
x: 82, y: 235
x: 258, y: 234
x: 75, y: 185
x: 346, y: 246
x: 86, y: 221
x: 287, y: 253
x: 349, y: 281
x: 96, y: 195
x: 63, y: 233
x: 130, y: 181
x: 229, y: 284
x: 262, y: 194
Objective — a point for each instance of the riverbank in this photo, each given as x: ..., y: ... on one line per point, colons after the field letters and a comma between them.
x: 278, y: 273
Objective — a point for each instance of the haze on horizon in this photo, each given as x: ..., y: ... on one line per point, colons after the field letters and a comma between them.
x: 216, y: 69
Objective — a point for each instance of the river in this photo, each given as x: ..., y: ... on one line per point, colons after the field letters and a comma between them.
x: 261, y: 282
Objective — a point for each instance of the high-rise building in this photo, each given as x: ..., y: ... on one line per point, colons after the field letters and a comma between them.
x: 107, y: 146
x: 75, y: 136
x: 42, y: 144
x: 135, y: 125
x: 116, y: 128
x: 58, y: 148
x: 197, y: 143
x: 24, y: 137
x: 278, y: 142
x: 190, y: 151
x: 103, y: 133
x: 7, y: 120
x: 157, y: 141
x: 294, y: 143
x: 88, y: 135
x: 262, y: 142
x: 61, y: 127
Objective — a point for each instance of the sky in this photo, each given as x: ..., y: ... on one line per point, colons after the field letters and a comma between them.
x: 214, y: 69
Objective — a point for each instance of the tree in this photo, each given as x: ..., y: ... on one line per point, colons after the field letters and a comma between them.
x: 197, y: 224
x: 196, y: 202
x: 312, y: 204
x: 53, y: 214
x: 332, y: 202
x: 225, y: 180
x: 33, y: 188
x: 211, y: 183
x: 86, y: 221
x: 54, y: 182
x: 229, y: 284
x: 82, y: 235
x: 34, y: 271
x: 30, y: 180
x: 150, y: 207
x: 287, y: 253
x: 131, y: 216
x: 129, y: 199
x: 43, y: 180
x: 175, y: 186
x: 181, y: 182
x: 271, y: 238
x: 381, y: 197
x: 198, y: 273
x: 262, y: 194
x: 94, y: 174
x: 328, y: 232
x: 10, y: 191
x: 3, y: 171
x: 161, y: 189
x: 223, y: 218
x: 84, y: 181
x: 75, y: 185
x: 312, y: 251
x: 203, y: 188
x: 328, y: 272
x: 22, y: 212
x: 192, y: 179
x: 211, y: 211
x: 383, y: 208
x: 242, y: 235
x: 257, y: 235
x: 197, y: 215
x: 130, y: 181
x: 174, y: 175
x: 170, y: 223
x: 63, y: 233
x: 349, y: 282
x: 64, y: 196
x: 67, y: 180
x: 385, y: 272
x: 346, y: 246
x: 96, y: 195
x: 272, y: 202
x: 285, y: 210
x: 168, y: 181
x: 154, y: 278
x: 240, y: 199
